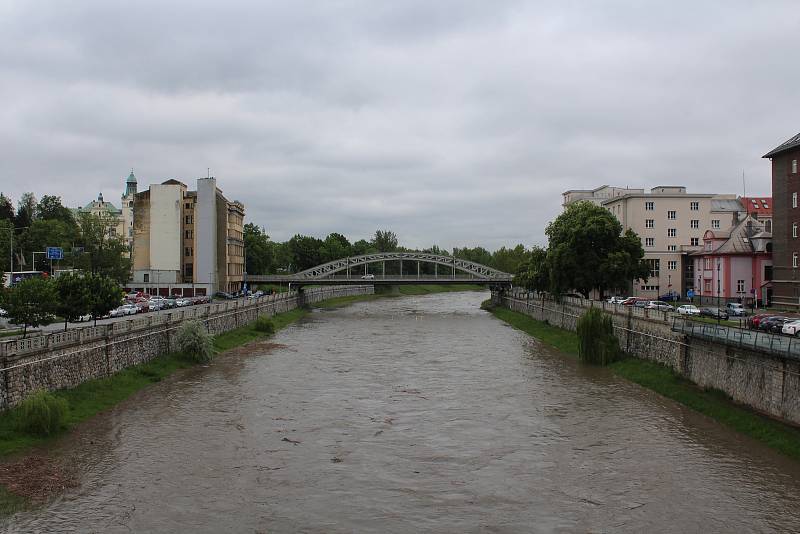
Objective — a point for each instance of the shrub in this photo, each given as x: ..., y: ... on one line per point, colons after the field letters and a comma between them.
x: 194, y: 342
x: 41, y: 414
x: 265, y: 325
x: 596, y: 341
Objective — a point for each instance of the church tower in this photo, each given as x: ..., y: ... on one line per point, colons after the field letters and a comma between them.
x: 127, y: 210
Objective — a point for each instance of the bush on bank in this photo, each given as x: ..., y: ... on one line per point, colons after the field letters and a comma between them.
x: 41, y: 414
x: 194, y: 342
x: 597, y: 343
x: 264, y: 325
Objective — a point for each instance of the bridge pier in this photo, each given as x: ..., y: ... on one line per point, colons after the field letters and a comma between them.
x: 301, y: 298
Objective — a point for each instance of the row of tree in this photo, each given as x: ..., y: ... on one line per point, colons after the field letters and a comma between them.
x: 88, y: 240
x: 301, y: 252
x: 38, y: 301
x: 587, y: 250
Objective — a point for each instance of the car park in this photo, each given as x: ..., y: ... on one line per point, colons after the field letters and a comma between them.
x: 641, y: 303
x: 753, y: 320
x: 121, y: 311
x: 688, y: 309
x: 180, y: 302
x: 735, y: 309
x: 714, y: 313
x: 776, y: 326
x: 766, y: 323
x: 617, y: 300
x: 223, y: 295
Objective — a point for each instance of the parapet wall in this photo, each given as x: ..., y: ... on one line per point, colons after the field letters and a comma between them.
x: 66, y: 359
x: 765, y: 382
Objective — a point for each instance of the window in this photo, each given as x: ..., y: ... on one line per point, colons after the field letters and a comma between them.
x: 188, y: 219
x: 768, y: 225
x: 188, y: 251
x: 694, y: 206
x: 768, y: 272
x: 649, y: 242
x: 740, y: 286
x: 649, y: 206
x: 708, y: 264
x: 794, y: 166
x: 794, y: 260
x: 649, y: 223
x: 649, y: 288
x: 672, y: 265
x: 146, y: 278
x: 655, y: 267
x: 715, y: 223
x: 188, y: 205
x: 672, y: 248
x: 794, y: 199
x: 709, y: 245
x: 672, y: 215
x: 672, y: 232
x: 189, y: 269
x: 187, y: 234
x: 694, y: 223
x: 794, y: 229
x: 707, y: 286
x: 695, y: 241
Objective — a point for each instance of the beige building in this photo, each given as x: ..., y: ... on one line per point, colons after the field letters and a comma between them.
x: 598, y: 195
x: 671, y: 224
x: 105, y: 210
x: 187, y: 242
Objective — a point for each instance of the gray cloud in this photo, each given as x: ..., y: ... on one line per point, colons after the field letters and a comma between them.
x: 451, y: 122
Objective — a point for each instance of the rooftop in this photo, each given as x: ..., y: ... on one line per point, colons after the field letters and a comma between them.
x: 789, y: 144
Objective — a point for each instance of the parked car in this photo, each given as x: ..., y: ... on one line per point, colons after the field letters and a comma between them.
x: 658, y: 305
x: 3, y: 313
x: 83, y: 318
x: 617, y: 300
x: 256, y: 295
x: 688, y: 309
x: 180, y: 302
x: 223, y: 295
x: 715, y: 313
x: 776, y: 326
x: 767, y: 322
x: 142, y: 306
x: 641, y: 303
x: 125, y: 309
x: 791, y: 328
x: 753, y: 320
x: 669, y: 297
x: 735, y: 309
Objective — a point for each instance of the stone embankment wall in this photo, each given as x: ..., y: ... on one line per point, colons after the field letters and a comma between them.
x: 66, y: 359
x: 766, y: 382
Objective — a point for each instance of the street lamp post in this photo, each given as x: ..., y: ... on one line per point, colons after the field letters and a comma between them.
x: 718, y: 291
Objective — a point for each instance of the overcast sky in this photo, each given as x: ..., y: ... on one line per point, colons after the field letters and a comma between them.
x: 449, y: 122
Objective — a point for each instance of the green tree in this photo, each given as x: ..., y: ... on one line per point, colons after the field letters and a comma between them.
x: 258, y: 249
x: 103, y: 252
x: 42, y: 234
x: 6, y: 234
x: 26, y: 210
x: 74, y: 297
x: 105, y: 295
x: 305, y: 252
x: 31, y: 303
x: 50, y: 208
x: 509, y: 260
x: 384, y: 241
x: 6, y: 209
x: 597, y: 343
x: 534, y: 273
x: 335, y: 246
x: 361, y: 247
x: 587, y: 250
x: 477, y: 254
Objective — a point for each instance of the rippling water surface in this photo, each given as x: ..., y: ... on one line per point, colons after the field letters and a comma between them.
x: 408, y: 415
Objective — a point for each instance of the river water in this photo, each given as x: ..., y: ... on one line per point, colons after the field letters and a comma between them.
x: 408, y: 415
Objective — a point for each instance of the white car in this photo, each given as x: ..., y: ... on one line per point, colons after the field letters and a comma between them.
x: 82, y: 318
x: 688, y: 309
x: 792, y: 328
x: 617, y: 300
x: 181, y: 302
x: 368, y: 277
x: 3, y: 313
x: 658, y: 305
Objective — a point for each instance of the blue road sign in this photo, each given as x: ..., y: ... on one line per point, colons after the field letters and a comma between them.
x: 690, y: 293
x: 55, y: 253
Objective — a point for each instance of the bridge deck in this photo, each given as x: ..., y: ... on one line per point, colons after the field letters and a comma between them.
x: 376, y: 280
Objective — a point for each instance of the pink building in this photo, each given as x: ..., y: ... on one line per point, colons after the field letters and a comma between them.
x: 735, y: 264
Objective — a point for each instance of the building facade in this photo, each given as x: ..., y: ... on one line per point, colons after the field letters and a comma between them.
x: 671, y: 224
x: 187, y: 242
x: 735, y: 264
x: 126, y: 209
x: 786, y: 218
x: 105, y: 210
x: 597, y: 195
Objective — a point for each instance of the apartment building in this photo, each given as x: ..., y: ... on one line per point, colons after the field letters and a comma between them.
x: 105, y: 210
x: 187, y: 242
x: 597, y: 195
x: 671, y: 224
x: 785, y: 221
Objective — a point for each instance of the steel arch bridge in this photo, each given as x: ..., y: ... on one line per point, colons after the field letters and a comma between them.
x: 353, y: 270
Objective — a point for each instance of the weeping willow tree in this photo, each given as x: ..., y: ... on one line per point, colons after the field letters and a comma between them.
x: 597, y: 343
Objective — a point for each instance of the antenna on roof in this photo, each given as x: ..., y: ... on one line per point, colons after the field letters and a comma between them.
x: 208, y: 170
x: 744, y: 187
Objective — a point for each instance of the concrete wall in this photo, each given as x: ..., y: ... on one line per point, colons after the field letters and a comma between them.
x: 205, y: 231
x: 67, y: 359
x: 765, y: 382
x: 165, y: 227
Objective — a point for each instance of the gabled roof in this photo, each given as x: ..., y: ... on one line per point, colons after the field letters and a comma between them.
x: 757, y: 205
x: 741, y: 236
x: 726, y: 204
x: 783, y: 147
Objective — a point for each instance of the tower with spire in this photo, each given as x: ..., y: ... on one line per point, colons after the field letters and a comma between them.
x: 127, y: 209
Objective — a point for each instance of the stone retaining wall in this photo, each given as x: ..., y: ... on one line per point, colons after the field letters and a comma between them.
x: 766, y: 382
x: 66, y: 359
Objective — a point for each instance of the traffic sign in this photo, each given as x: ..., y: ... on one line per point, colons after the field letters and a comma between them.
x: 690, y: 293
x: 55, y: 253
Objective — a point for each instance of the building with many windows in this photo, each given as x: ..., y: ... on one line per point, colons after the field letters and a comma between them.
x: 187, y: 242
x: 671, y: 224
x: 785, y: 220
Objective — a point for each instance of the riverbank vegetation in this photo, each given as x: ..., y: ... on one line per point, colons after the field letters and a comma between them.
x: 664, y: 381
x: 382, y: 292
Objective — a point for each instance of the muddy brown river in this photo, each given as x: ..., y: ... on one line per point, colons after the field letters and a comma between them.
x: 414, y: 414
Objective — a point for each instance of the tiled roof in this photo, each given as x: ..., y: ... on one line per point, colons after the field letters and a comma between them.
x: 740, y: 241
x: 757, y: 205
x: 726, y: 204
x: 786, y: 145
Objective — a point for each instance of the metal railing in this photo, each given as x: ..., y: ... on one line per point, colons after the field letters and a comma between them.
x: 777, y: 344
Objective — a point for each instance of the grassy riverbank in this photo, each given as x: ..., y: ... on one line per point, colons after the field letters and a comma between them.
x: 662, y: 380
